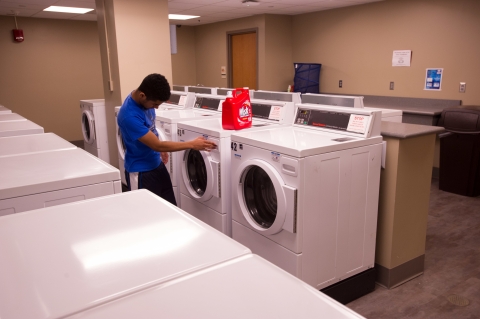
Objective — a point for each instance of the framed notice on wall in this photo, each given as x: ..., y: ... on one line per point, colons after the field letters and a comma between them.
x: 433, y: 80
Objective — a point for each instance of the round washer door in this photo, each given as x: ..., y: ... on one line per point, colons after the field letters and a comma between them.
x: 88, y: 126
x: 120, y: 145
x: 261, y: 196
x: 200, y: 174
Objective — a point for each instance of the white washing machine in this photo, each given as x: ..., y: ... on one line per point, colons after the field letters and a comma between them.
x: 4, y: 110
x: 202, y: 90
x: 94, y: 128
x: 16, y: 128
x: 205, y: 107
x: 246, y: 287
x: 32, y: 181
x: 390, y: 115
x: 60, y: 260
x: 181, y: 88
x: 121, y: 149
x: 8, y: 117
x: 305, y: 197
x: 178, y: 100
x: 31, y: 144
x: 205, y: 176
x: 294, y: 97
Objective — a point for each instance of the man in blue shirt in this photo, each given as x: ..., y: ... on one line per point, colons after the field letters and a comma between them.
x: 146, y: 155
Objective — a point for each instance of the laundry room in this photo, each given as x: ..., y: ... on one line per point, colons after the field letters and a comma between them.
x: 324, y: 150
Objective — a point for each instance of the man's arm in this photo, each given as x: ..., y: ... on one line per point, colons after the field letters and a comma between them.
x: 199, y: 144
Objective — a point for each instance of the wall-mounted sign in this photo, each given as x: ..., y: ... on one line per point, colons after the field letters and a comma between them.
x: 433, y: 79
x: 401, y: 57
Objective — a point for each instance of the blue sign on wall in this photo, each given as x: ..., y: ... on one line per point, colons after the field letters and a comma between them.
x: 433, y: 79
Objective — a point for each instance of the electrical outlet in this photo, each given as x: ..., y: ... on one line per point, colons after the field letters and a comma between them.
x: 463, y: 87
x: 391, y: 85
x: 340, y: 83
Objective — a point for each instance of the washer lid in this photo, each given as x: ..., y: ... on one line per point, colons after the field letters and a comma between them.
x: 59, y: 260
x: 29, y: 174
x: 15, y: 128
x: 247, y: 287
x: 385, y: 112
x: 11, y: 117
x: 175, y: 116
x: 4, y: 110
x: 28, y: 144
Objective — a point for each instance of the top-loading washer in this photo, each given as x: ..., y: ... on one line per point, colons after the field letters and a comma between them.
x: 205, y: 106
x: 202, y: 90
x: 390, y: 115
x: 16, y: 128
x: 4, y: 110
x: 8, y: 117
x: 181, y: 88
x: 35, y: 143
x: 178, y: 100
x: 94, y: 128
x: 294, y: 97
x: 305, y: 197
x: 205, y: 176
x: 58, y: 261
x: 32, y: 181
x: 246, y: 287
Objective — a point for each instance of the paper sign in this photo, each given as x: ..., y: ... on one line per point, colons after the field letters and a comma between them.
x: 182, y: 100
x: 401, y: 58
x: 357, y: 123
x: 275, y: 113
x: 433, y: 79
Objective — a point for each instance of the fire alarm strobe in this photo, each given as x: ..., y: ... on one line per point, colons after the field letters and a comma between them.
x: 17, y: 33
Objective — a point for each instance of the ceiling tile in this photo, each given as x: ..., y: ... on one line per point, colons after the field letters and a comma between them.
x: 75, y: 3
x: 54, y: 15
x: 85, y: 17
x: 20, y: 13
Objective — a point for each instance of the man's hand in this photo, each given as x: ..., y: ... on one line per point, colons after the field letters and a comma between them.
x: 201, y: 144
x: 164, y: 156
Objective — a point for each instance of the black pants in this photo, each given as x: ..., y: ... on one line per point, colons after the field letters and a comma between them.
x: 157, y: 181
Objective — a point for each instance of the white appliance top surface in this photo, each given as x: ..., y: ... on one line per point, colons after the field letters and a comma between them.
x: 49, y: 171
x: 300, y: 142
x: 59, y: 260
x: 214, y: 127
x: 247, y: 287
x: 175, y: 116
x: 13, y: 126
x: 11, y: 117
x: 4, y: 110
x: 385, y: 112
x: 27, y: 144
x: 94, y: 102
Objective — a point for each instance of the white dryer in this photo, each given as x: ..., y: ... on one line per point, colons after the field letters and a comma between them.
x: 16, y: 128
x: 32, y: 181
x: 8, y: 117
x: 94, y: 128
x: 4, y: 110
x: 58, y: 261
x: 121, y: 149
x: 205, y: 176
x: 305, y: 197
x: 178, y: 100
x: 246, y: 287
x: 31, y: 144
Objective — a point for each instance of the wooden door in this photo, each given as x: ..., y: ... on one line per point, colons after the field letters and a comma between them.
x: 243, y: 52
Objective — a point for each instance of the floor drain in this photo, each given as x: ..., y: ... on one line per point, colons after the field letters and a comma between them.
x: 458, y: 300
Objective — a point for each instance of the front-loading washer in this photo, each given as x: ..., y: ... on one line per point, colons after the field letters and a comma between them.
x: 8, y: 117
x: 31, y: 144
x: 305, y: 197
x: 17, y: 128
x: 121, y: 149
x: 94, y: 128
x: 166, y: 122
x: 42, y: 179
x: 58, y: 261
x: 205, y: 176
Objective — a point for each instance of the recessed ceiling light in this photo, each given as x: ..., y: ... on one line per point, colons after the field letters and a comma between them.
x: 181, y: 17
x: 68, y: 9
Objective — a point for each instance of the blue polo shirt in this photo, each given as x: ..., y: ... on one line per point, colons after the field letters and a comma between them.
x: 134, y: 122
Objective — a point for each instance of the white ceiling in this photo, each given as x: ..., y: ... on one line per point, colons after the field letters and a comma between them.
x: 208, y: 10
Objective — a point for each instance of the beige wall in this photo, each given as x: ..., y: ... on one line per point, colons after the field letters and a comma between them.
x: 44, y: 77
x: 355, y: 44
x: 184, y: 62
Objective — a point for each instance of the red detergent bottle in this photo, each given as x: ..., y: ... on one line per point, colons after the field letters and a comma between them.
x: 237, y: 110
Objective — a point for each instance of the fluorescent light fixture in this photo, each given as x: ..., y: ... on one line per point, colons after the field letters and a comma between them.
x: 68, y: 9
x: 181, y: 17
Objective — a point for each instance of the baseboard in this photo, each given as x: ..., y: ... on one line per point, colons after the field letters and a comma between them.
x: 352, y: 288
x: 78, y: 143
x: 391, y: 278
x: 435, y: 172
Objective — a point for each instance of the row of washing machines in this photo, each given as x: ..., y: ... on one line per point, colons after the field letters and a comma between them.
x: 67, y: 254
x: 299, y: 188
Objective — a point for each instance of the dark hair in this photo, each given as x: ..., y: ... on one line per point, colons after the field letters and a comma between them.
x: 155, y: 87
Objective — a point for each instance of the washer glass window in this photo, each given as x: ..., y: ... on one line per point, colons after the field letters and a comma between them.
x: 260, y: 196
x: 197, y: 172
x: 86, y: 126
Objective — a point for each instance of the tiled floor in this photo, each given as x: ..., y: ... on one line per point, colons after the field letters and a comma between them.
x: 452, y: 267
